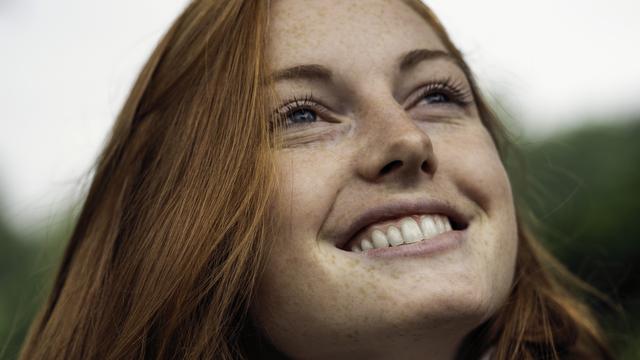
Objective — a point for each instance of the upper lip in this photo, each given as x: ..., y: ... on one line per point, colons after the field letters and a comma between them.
x: 394, y: 210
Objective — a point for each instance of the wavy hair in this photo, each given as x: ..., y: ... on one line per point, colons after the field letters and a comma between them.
x: 169, y: 246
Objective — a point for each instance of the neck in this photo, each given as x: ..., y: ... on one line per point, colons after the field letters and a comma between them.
x: 441, y: 344
x: 437, y: 346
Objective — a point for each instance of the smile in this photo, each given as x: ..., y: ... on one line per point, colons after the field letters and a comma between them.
x: 396, y: 227
x: 402, y: 231
x: 406, y: 230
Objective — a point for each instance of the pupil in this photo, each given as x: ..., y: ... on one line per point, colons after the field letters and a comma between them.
x: 436, y: 98
x: 303, y: 115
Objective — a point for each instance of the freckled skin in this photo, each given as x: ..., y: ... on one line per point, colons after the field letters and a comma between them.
x: 317, y: 301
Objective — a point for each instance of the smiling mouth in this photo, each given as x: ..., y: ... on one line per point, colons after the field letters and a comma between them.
x: 403, y: 231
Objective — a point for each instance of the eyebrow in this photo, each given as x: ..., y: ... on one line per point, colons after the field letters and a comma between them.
x: 309, y: 71
x: 321, y: 73
x: 413, y: 57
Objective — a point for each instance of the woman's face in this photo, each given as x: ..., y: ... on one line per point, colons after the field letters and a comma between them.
x: 384, y: 148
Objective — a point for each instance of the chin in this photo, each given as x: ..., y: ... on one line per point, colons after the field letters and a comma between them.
x: 463, y: 306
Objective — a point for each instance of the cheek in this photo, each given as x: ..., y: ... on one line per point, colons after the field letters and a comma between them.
x: 307, y: 183
x: 478, y: 173
x: 301, y: 268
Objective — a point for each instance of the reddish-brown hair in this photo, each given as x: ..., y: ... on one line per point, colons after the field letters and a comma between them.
x: 173, y: 235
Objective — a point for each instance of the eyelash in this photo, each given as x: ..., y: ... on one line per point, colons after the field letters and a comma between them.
x: 289, y: 107
x: 457, y: 93
x: 454, y: 90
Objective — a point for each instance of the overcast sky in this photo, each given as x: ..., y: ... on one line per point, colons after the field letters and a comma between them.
x: 67, y: 65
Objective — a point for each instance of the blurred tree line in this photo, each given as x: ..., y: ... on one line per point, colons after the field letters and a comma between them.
x: 28, y: 262
x: 582, y: 185
x: 583, y: 188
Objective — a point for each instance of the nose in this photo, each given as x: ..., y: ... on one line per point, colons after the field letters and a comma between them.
x: 398, y: 150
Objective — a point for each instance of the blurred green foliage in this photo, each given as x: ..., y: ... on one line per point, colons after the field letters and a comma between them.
x: 28, y: 263
x: 583, y: 186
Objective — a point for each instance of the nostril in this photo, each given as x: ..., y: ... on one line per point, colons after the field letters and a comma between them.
x: 390, y: 166
x: 425, y: 166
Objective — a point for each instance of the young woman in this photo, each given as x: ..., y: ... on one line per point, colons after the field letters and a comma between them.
x: 307, y: 179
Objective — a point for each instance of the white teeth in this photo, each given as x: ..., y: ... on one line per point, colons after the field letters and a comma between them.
x: 379, y: 239
x: 447, y: 224
x: 410, y: 231
x: 444, y: 223
x: 394, y: 236
x: 439, y: 223
x: 428, y: 226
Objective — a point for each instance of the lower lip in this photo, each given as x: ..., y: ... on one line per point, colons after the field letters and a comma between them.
x: 437, y: 244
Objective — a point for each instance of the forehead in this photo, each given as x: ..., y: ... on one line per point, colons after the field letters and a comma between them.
x: 346, y: 35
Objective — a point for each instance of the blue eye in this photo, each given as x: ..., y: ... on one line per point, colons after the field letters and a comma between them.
x: 446, y: 92
x: 299, y: 112
x: 436, y: 98
x: 301, y: 115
